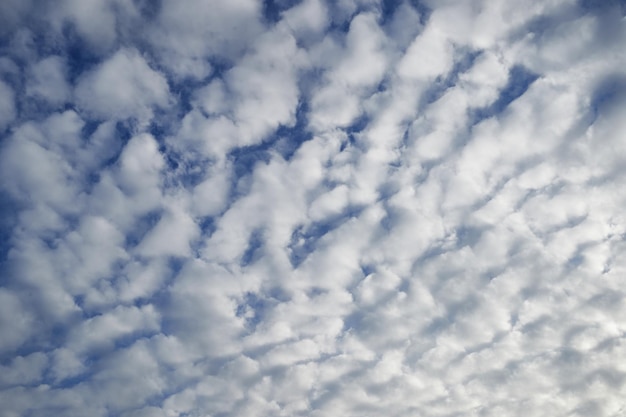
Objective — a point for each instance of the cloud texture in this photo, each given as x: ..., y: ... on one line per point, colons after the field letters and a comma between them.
x: 311, y: 208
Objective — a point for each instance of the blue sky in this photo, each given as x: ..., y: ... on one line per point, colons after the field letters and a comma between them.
x: 312, y: 208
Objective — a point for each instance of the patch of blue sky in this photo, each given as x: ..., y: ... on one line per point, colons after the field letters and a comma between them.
x: 340, y: 23
x: 285, y: 140
x: 207, y: 226
x: 390, y: 7
x: 355, y: 321
x: 300, y: 247
x: 424, y: 10
x: 610, y: 92
x: 353, y: 130
x: 244, y: 159
x: 23, y: 350
x: 68, y: 382
x: 358, y: 125
x: 141, y: 227
x: 253, y: 308
x: 183, y: 172
x: 253, y: 251
x: 603, y: 5
x: 520, y: 80
x: 184, y: 90
x: 288, y: 139
x: 390, y: 188
x: 368, y: 268
x: 437, y: 89
x: 304, y: 239
x: 89, y: 128
x: 272, y: 9
x: 79, y: 57
x: 123, y: 132
x: 387, y: 9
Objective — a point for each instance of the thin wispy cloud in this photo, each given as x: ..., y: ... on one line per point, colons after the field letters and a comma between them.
x: 312, y: 208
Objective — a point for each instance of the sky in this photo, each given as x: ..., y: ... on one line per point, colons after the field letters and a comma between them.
x: 312, y: 208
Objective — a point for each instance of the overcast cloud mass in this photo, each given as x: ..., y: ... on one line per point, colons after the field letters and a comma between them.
x: 312, y: 208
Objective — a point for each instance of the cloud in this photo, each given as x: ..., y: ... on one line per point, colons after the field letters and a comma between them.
x: 188, y: 35
x: 12, y: 14
x: 49, y: 81
x: 7, y: 105
x: 94, y: 21
x: 351, y: 73
x: 17, y: 328
x: 312, y: 208
x: 123, y: 86
x: 308, y: 19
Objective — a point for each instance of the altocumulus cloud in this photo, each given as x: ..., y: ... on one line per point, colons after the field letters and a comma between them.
x: 312, y: 208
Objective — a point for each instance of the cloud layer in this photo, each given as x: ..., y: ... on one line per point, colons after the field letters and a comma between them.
x: 310, y: 208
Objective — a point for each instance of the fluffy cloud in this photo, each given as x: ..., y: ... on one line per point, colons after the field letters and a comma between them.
x: 49, y: 81
x: 190, y: 34
x: 7, y: 105
x: 312, y: 208
x: 123, y: 86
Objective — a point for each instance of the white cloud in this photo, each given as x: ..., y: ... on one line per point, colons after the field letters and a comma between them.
x: 264, y: 84
x: 24, y: 370
x: 210, y: 197
x: 7, y: 105
x: 46, y: 179
x: 12, y: 13
x: 16, y: 321
x: 206, y: 290
x: 352, y: 73
x: 132, y: 188
x: 484, y: 79
x: 329, y: 204
x: 89, y: 253
x: 404, y: 25
x: 171, y: 236
x: 123, y: 86
x: 262, y: 95
x: 101, y: 332
x: 307, y: 19
x: 428, y: 56
x: 49, y: 81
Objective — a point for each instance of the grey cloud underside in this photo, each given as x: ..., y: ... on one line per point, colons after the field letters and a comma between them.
x: 301, y: 208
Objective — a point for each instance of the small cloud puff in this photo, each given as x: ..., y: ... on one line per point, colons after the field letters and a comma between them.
x: 123, y: 86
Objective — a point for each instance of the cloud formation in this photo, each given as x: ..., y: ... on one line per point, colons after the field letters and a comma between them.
x: 311, y: 208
